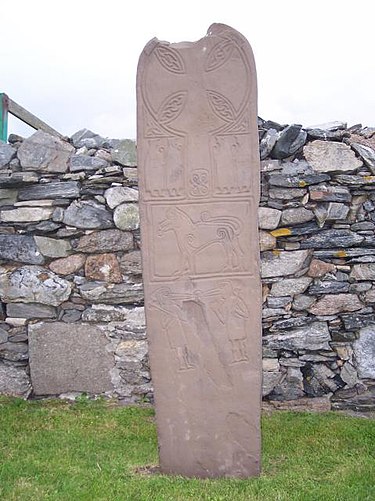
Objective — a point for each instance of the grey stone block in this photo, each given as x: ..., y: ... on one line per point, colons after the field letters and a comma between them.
x: 65, y: 358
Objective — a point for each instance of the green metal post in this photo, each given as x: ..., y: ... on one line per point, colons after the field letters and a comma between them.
x: 3, y: 117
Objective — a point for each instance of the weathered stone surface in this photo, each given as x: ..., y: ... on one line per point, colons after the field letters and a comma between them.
x: 14, y: 352
x: 268, y: 218
x: 7, y: 152
x: 20, y: 248
x: 53, y: 190
x: 290, y: 286
x: 353, y: 180
x: 9, y: 178
x: 316, y: 404
x: 336, y: 135
x: 302, y: 302
x: 52, y: 247
x: 131, y: 263
x: 266, y: 241
x: 33, y: 284
x: 111, y: 294
x: 289, y: 141
x: 349, y: 375
x: 290, y: 387
x: 106, y: 241
x: 328, y: 239
x: 360, y: 398
x: 299, y: 181
x: 366, y: 153
x: 337, y: 211
x: 30, y: 310
x: 365, y: 271
x: 330, y: 156
x: 186, y: 217
x: 370, y: 296
x: 320, y: 268
x: 319, y: 380
x: 105, y: 313
x: 103, y: 267
x: 328, y: 126
x: 63, y: 359
x: 14, y: 381
x: 125, y: 153
x: 270, y: 380
x: 286, y: 193
x: 296, y: 216
x: 126, y: 217
x: 88, y: 215
x: 25, y: 214
x: 120, y: 194
x: 280, y: 263
x: 87, y: 138
x: 8, y: 196
x: 45, y: 153
x: 314, y: 337
x: 68, y: 265
x: 85, y: 162
x: 336, y: 303
x: 326, y: 193
x: 329, y: 287
x: 267, y: 143
x: 364, y: 349
x: 290, y: 323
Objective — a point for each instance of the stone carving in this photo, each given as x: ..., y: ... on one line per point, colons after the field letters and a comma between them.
x: 199, y: 189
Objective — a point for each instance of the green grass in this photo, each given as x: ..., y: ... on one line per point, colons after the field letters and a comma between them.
x: 91, y: 451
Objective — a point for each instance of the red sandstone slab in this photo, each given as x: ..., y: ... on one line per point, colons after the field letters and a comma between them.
x: 198, y: 167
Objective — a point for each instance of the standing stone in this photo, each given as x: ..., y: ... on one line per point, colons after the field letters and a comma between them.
x: 199, y: 181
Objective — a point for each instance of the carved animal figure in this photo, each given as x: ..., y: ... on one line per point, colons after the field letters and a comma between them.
x: 193, y: 237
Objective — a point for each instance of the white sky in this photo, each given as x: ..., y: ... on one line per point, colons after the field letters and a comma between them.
x: 73, y: 62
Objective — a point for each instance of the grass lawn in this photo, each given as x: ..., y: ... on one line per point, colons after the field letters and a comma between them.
x: 91, y: 451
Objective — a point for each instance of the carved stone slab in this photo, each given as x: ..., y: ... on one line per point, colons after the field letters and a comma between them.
x: 199, y: 188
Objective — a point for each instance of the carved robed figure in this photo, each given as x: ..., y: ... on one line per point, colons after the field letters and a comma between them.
x: 199, y: 190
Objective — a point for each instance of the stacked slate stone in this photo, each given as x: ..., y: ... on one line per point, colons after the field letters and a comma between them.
x: 70, y: 270
x: 70, y: 262
x: 317, y: 221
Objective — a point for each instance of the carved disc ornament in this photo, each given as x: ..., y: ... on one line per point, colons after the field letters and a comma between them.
x: 199, y: 191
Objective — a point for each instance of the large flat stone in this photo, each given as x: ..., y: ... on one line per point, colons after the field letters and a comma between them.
x: 52, y: 247
x: 124, y: 153
x: 65, y: 359
x: 106, y: 241
x: 7, y: 152
x: 336, y: 303
x: 53, y: 190
x: 281, y: 263
x: 331, y: 156
x: 21, y: 248
x: 14, y: 381
x: 88, y: 215
x: 364, y: 349
x: 30, y: 310
x: 312, y: 337
x: 42, y: 152
x: 25, y: 214
x: 33, y: 284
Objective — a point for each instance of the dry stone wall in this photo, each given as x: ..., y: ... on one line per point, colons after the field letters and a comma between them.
x: 72, y: 316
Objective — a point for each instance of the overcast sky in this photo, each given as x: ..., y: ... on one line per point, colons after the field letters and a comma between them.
x: 73, y: 62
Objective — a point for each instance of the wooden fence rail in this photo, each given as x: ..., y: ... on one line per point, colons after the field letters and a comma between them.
x: 7, y: 105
